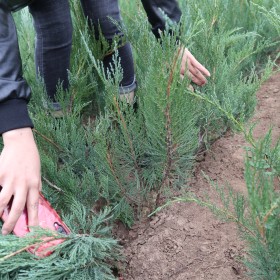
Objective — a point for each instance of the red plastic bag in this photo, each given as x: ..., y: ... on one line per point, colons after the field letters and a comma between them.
x: 48, y: 219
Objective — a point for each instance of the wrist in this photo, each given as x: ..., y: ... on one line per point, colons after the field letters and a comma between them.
x: 18, y: 135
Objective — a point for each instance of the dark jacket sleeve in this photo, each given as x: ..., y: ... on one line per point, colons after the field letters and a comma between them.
x: 153, y: 9
x: 15, y: 5
x: 14, y: 91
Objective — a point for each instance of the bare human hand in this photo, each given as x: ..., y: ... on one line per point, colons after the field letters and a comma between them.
x: 19, y: 177
x: 194, y: 70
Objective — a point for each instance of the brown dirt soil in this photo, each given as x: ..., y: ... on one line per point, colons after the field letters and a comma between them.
x: 186, y: 241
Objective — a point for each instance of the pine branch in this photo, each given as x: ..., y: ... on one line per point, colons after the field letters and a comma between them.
x: 27, y: 248
x: 48, y: 140
x: 120, y: 114
x: 75, y: 92
x: 168, y: 137
x: 122, y: 189
x: 52, y: 185
x: 261, y: 225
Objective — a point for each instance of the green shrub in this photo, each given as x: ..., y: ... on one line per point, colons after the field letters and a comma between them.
x: 101, y: 154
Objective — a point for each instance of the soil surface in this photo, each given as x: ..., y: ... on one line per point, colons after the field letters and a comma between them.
x: 185, y: 241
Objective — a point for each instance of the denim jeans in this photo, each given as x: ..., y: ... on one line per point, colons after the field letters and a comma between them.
x: 100, y: 13
x: 53, y: 47
x: 53, y: 27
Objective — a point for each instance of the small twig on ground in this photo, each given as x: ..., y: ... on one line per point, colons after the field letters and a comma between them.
x: 52, y: 185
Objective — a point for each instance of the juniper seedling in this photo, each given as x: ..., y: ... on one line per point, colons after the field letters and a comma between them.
x: 103, y: 155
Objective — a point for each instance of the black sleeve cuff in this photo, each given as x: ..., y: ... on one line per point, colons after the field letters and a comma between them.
x: 153, y: 9
x: 13, y: 115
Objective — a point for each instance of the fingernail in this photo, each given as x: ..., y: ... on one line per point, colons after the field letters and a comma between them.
x: 4, y: 232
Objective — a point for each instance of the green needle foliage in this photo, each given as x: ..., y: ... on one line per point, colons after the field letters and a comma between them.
x: 85, y: 254
x: 103, y: 155
x: 262, y: 179
x: 257, y: 215
x: 273, y: 15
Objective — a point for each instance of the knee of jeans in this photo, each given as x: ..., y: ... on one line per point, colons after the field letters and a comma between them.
x: 61, y: 35
x: 108, y: 28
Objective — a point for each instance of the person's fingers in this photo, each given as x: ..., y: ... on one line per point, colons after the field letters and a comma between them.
x: 40, y: 186
x: 5, y: 197
x: 184, y: 64
x: 190, y: 87
x: 201, y: 68
x: 194, y: 70
x: 16, y: 210
x: 32, y: 205
x: 198, y: 65
x: 198, y: 78
x: 195, y: 80
x: 193, y: 75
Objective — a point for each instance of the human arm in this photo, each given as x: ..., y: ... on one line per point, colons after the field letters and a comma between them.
x: 189, y: 64
x: 19, y: 160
